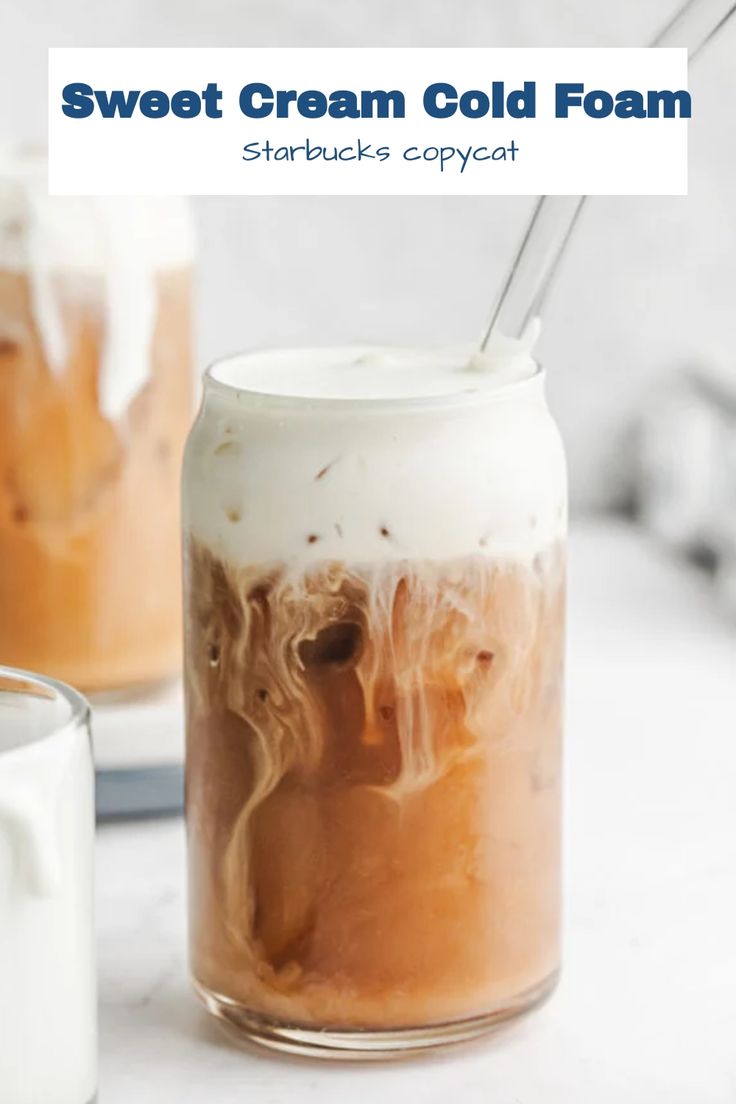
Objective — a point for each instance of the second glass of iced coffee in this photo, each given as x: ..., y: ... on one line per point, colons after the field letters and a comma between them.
x: 374, y: 600
x: 96, y: 397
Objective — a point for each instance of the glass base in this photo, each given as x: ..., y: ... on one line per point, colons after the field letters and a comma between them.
x: 362, y: 1045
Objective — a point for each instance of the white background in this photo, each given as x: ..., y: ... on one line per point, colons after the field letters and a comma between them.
x: 203, y: 156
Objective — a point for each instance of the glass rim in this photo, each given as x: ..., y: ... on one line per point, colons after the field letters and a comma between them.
x: 15, y: 680
x: 285, y: 402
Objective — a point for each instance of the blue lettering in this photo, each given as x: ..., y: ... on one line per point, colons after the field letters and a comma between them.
x: 474, y: 105
x: 212, y: 96
x: 343, y: 105
x: 598, y: 104
x: 117, y: 102
x: 567, y: 96
x: 627, y: 104
x: 432, y: 96
x: 669, y: 102
x: 186, y: 104
x: 248, y: 96
x: 154, y: 104
x: 312, y: 104
x: 77, y: 101
x: 630, y: 105
x: 522, y: 103
x: 386, y: 104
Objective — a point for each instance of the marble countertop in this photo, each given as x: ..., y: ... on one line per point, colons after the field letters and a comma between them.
x: 646, y: 1011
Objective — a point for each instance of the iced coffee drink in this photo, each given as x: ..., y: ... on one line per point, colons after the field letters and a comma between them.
x: 374, y: 604
x: 95, y: 402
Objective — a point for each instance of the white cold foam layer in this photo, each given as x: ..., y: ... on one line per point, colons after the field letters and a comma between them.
x: 376, y: 372
x: 119, y: 240
x: 474, y: 467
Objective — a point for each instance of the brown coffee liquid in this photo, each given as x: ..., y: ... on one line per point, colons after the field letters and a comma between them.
x: 89, y: 537
x: 373, y: 787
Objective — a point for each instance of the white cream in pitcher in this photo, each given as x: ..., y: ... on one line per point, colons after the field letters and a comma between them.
x: 48, y: 1007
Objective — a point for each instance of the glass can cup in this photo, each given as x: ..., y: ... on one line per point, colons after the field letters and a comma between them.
x: 374, y: 619
x: 96, y: 394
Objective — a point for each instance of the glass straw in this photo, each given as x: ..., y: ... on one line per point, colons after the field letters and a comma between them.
x: 554, y: 217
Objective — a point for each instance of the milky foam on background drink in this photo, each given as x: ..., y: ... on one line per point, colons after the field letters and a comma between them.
x: 307, y: 455
x: 118, y: 242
